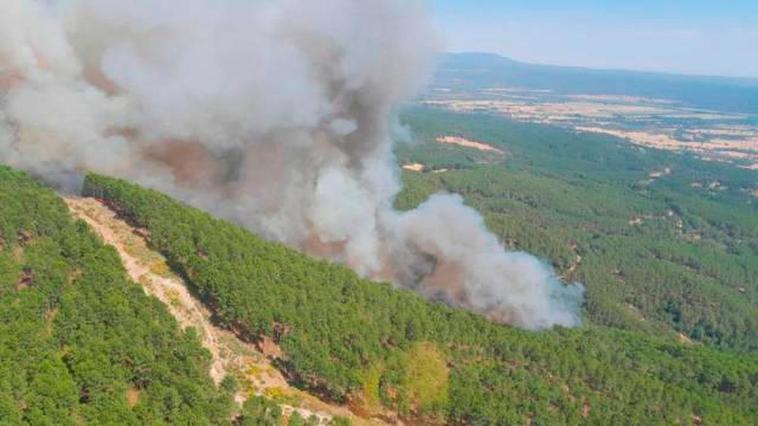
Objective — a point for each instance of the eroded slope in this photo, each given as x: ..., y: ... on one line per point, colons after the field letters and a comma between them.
x: 230, y: 355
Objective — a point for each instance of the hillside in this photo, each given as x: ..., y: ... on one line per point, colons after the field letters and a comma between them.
x: 378, y: 348
x: 233, y: 360
x: 367, y: 345
x: 79, y: 342
x: 208, y: 216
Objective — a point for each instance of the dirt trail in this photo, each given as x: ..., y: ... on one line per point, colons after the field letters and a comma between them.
x: 229, y: 354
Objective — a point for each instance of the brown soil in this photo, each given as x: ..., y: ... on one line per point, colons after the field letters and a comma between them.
x: 132, y: 397
x: 414, y: 167
x: 467, y: 143
x: 230, y: 355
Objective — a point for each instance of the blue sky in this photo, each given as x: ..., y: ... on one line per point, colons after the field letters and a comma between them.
x: 718, y: 37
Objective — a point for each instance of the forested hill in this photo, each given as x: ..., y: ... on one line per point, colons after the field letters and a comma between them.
x: 377, y: 348
x: 81, y: 344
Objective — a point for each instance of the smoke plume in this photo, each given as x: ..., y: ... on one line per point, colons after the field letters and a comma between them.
x: 275, y: 114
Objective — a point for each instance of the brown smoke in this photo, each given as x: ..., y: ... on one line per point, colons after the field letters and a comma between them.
x: 276, y: 114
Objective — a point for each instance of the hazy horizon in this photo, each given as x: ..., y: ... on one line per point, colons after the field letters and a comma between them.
x: 693, y: 38
x: 599, y: 68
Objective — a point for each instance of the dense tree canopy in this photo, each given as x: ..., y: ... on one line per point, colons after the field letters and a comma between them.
x: 79, y: 342
x: 351, y: 339
x: 664, y: 242
x: 669, y: 263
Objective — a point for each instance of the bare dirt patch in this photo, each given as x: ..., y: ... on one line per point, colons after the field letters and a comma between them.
x: 414, y: 167
x: 467, y: 143
x: 230, y: 355
x: 132, y: 397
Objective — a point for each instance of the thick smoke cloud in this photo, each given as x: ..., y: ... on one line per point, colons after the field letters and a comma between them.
x: 275, y: 114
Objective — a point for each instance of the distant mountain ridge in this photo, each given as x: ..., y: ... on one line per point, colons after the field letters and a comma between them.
x: 483, y: 70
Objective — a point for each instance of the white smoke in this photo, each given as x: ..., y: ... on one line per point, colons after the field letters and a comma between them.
x: 275, y: 114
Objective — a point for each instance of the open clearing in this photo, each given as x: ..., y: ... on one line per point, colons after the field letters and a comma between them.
x: 467, y: 143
